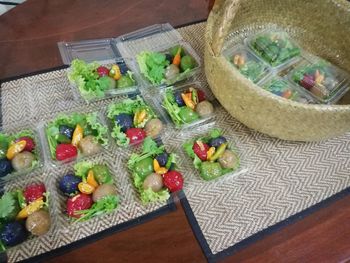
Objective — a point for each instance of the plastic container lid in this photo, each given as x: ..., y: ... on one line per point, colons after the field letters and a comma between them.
x: 161, y: 39
x: 285, y: 89
x: 182, y: 115
x: 252, y: 67
x: 320, y: 79
x: 275, y: 47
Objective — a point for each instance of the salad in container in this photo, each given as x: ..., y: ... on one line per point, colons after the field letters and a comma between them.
x: 95, y: 81
x: 90, y: 191
x: 154, y: 172
x: 132, y: 120
x: 70, y: 136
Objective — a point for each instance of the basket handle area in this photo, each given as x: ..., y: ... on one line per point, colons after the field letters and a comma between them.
x: 223, y: 13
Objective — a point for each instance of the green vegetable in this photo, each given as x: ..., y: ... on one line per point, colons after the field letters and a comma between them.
x: 278, y: 86
x: 175, y: 49
x: 321, y: 66
x: 105, y: 205
x: 150, y: 150
x: 21, y: 199
x: 102, y: 174
x: 126, y: 81
x: 144, y: 167
x: 179, y: 115
x: 89, y: 122
x: 129, y: 106
x: 187, y: 63
x: 152, y: 66
x: 252, y: 70
x: 4, y: 143
x: 188, y: 115
x: 85, y: 77
x: 275, y: 48
x: 210, y: 170
x: 81, y: 169
x: 9, y: 206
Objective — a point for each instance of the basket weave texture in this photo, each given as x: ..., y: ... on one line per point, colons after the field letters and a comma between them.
x: 320, y: 27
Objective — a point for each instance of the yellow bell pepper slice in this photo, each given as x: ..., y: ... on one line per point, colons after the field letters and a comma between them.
x: 140, y: 116
x: 77, y: 135
x: 91, y: 179
x: 158, y: 169
x: 210, y: 152
x: 115, y: 72
x: 15, y: 148
x: 31, y: 208
x: 187, y: 98
x: 85, y: 188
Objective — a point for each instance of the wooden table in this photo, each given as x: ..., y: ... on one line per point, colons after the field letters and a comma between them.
x: 28, y: 37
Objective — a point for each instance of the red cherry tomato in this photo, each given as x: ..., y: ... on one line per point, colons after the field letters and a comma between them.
x: 30, y: 144
x: 173, y: 180
x: 308, y: 81
x: 136, y: 135
x: 201, y: 149
x: 66, y: 151
x: 77, y: 203
x: 102, y: 71
x: 33, y: 192
x: 201, y: 95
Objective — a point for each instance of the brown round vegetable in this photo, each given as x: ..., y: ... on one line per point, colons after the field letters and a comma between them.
x: 38, y: 223
x: 171, y: 71
x: 153, y: 181
x: 22, y: 161
x: 103, y: 190
x: 153, y: 127
x: 204, y: 108
x: 88, y: 146
x: 229, y: 159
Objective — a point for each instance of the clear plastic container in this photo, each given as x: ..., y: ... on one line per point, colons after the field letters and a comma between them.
x: 198, y: 110
x: 161, y: 39
x: 320, y: 79
x: 19, y: 157
x: 97, y: 174
x: 61, y: 131
x: 214, y: 154
x: 127, y: 82
x: 283, y: 88
x: 154, y: 172
x: 247, y: 63
x: 136, y: 118
x: 35, y: 227
x: 275, y: 47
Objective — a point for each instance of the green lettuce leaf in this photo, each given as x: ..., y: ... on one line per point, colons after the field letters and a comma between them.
x: 9, y: 206
x: 170, y: 105
x: 81, y: 169
x: 148, y: 196
x: 152, y: 66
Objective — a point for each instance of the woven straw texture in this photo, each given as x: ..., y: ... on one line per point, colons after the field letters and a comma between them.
x: 325, y: 32
x: 283, y: 178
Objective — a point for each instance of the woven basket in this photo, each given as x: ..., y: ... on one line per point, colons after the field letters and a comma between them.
x: 320, y: 27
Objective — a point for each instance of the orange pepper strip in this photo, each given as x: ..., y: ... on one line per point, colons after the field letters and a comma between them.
x: 188, y: 100
x: 77, y: 135
x: 91, y: 179
x: 177, y: 57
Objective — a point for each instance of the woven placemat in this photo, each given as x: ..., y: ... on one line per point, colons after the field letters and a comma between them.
x: 284, y: 179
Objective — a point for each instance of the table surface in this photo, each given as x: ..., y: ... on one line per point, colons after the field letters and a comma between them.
x: 28, y: 42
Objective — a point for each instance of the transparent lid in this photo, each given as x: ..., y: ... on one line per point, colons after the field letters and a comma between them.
x: 274, y: 46
x: 102, y: 50
x: 322, y: 80
x: 246, y: 62
x: 147, y: 38
x: 285, y: 89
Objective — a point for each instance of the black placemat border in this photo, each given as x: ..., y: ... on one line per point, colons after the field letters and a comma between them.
x: 258, y: 236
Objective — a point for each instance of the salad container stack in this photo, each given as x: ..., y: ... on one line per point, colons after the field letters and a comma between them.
x: 277, y: 64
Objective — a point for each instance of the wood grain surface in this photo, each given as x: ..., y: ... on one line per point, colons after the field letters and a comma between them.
x: 28, y: 42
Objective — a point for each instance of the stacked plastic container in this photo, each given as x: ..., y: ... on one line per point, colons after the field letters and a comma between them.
x: 275, y: 62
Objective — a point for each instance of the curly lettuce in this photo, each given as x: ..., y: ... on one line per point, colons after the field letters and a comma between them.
x: 152, y: 66
x: 85, y: 77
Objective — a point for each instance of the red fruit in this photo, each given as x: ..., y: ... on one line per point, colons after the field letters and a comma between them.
x: 77, y: 203
x: 136, y: 135
x: 201, y: 95
x: 102, y: 71
x: 308, y: 81
x: 33, y: 192
x: 173, y: 180
x: 30, y: 144
x: 201, y: 149
x: 65, y: 151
